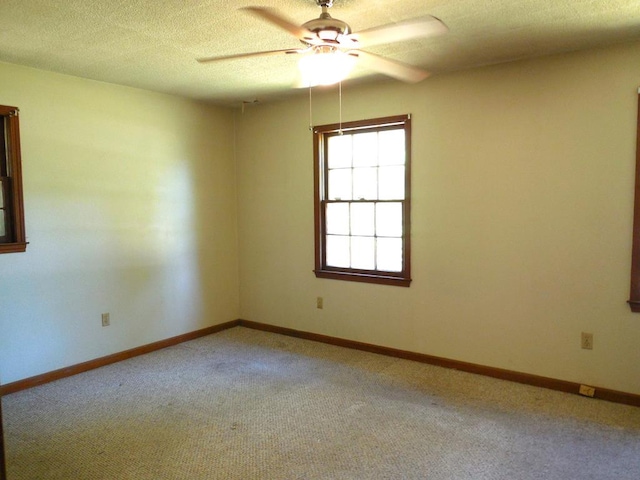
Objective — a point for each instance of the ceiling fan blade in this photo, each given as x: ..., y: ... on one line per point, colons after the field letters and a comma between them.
x: 392, y: 68
x: 252, y: 54
x: 396, y: 32
x: 273, y: 17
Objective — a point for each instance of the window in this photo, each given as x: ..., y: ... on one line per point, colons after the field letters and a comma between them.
x: 362, y: 200
x: 12, y: 233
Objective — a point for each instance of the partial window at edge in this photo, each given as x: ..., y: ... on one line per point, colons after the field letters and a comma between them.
x: 362, y: 200
x: 634, y: 295
x: 12, y: 231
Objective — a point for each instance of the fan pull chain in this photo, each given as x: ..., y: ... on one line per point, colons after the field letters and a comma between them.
x: 310, y: 111
x: 340, y: 106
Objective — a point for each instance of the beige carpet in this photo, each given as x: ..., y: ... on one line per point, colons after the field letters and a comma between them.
x: 244, y: 404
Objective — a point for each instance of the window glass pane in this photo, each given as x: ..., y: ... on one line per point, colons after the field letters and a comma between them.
x: 1, y: 193
x: 392, y: 147
x: 3, y: 230
x: 3, y: 148
x: 339, y: 151
x: 365, y: 183
x: 391, y: 183
x: 363, y: 253
x: 340, y: 184
x: 389, y: 254
x: 338, y: 251
x: 389, y: 219
x: 365, y: 149
x: 338, y: 218
x: 362, y: 219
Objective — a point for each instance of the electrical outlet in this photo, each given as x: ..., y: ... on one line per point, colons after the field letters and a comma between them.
x: 587, y: 391
x: 319, y: 303
x: 587, y: 341
x: 106, y: 321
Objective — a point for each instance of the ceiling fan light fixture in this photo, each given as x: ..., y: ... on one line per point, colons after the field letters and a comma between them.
x: 325, y: 66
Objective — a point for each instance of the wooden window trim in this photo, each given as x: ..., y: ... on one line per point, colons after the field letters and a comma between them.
x: 403, y: 278
x: 11, y: 130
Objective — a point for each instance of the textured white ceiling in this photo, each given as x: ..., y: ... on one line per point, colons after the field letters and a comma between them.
x: 153, y: 44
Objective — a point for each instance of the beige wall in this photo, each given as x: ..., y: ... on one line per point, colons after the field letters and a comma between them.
x: 522, y: 209
x: 130, y: 209
x: 521, y: 223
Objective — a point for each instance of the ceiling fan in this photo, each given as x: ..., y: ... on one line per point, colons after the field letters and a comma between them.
x: 327, y: 38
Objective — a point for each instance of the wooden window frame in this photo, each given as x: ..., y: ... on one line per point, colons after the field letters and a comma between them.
x: 634, y: 295
x: 11, y: 182
x: 322, y: 270
x: 3, y: 468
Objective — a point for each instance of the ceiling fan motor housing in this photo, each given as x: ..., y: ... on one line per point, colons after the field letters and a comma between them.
x: 327, y: 28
